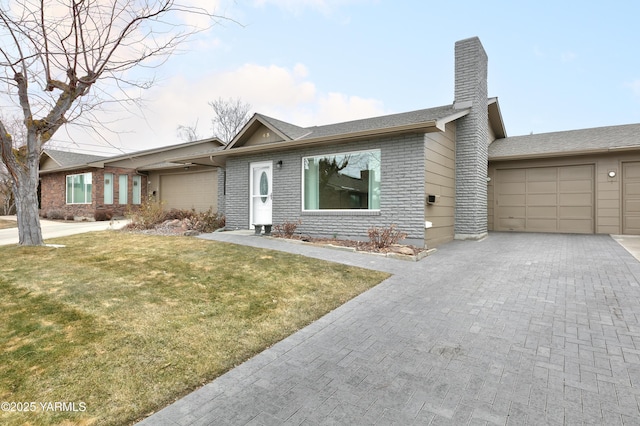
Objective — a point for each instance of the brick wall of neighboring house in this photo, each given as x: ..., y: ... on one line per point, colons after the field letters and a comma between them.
x: 53, y: 189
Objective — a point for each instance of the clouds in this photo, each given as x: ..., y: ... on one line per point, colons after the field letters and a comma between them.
x: 285, y: 93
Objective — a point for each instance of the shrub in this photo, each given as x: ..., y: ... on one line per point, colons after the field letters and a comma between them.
x: 55, y: 215
x: 286, y: 229
x: 146, y: 215
x: 385, y: 237
x: 207, y: 221
x: 102, y: 215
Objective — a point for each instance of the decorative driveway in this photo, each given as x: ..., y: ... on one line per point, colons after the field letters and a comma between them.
x: 514, y: 329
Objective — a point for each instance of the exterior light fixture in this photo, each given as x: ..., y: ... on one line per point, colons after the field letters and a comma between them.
x: 279, y: 164
x: 612, y: 173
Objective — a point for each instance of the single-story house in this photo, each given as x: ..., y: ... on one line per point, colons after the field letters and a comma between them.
x: 438, y: 174
x: 81, y: 186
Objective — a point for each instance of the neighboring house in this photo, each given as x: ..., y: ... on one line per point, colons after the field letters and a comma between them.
x: 79, y: 185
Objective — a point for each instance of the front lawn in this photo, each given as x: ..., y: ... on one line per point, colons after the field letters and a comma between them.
x: 115, y: 326
x: 5, y: 224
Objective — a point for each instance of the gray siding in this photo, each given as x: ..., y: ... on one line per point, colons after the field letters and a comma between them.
x: 401, y: 190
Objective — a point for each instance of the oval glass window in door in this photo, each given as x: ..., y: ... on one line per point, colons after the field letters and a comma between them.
x: 264, y: 186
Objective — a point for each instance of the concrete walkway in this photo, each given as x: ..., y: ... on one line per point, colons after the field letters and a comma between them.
x: 515, y: 329
x: 54, y: 229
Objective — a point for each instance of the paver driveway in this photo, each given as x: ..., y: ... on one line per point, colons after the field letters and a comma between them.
x: 515, y: 329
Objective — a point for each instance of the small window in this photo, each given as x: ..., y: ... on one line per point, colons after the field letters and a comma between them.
x: 137, y: 190
x: 79, y: 188
x: 108, y: 188
x: 123, y: 189
x: 347, y: 181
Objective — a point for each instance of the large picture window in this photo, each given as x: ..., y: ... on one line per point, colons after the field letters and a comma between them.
x: 79, y: 188
x: 347, y: 181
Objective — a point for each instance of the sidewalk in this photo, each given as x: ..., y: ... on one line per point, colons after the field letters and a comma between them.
x: 54, y: 229
x: 515, y: 329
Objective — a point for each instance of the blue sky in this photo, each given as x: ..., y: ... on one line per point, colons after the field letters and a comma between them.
x: 554, y: 65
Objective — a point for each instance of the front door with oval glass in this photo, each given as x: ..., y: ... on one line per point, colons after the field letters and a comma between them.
x: 260, y: 190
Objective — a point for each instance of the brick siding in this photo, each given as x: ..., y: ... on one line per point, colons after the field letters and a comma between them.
x: 472, y: 134
x: 53, y: 186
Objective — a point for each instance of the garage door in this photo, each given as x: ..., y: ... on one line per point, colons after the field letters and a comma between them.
x: 631, y: 198
x: 545, y: 199
x: 190, y: 190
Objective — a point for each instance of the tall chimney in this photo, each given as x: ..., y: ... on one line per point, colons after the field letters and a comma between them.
x: 472, y: 139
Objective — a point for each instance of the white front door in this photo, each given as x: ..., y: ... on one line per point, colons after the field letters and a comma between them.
x: 260, y: 193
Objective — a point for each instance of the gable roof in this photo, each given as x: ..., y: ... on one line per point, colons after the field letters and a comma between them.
x: 141, y: 160
x: 572, y: 142
x: 69, y: 159
x: 425, y: 120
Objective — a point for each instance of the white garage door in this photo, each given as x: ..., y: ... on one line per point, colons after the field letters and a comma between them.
x: 188, y: 191
x: 545, y: 199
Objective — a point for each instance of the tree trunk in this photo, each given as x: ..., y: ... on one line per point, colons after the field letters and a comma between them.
x: 25, y: 191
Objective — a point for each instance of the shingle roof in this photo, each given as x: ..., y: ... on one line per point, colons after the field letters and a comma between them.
x: 383, y: 122
x: 367, y: 124
x: 563, y: 143
x: 68, y: 159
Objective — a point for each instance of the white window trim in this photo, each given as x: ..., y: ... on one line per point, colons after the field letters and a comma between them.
x: 362, y: 212
x: 66, y: 185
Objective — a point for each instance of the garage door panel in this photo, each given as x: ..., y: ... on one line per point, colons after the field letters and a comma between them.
x: 631, y: 170
x: 575, y: 212
x: 574, y: 225
x: 541, y: 225
x: 632, y: 188
x: 512, y: 224
x: 542, y: 199
x: 578, y: 173
x: 542, y: 212
x: 580, y: 199
x: 513, y: 211
x: 542, y: 175
x: 632, y: 206
x: 513, y: 175
x: 576, y: 186
x: 513, y: 188
x: 512, y: 200
x: 557, y: 199
x: 542, y: 187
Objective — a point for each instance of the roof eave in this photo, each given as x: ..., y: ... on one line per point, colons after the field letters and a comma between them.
x: 427, y: 127
x: 583, y: 152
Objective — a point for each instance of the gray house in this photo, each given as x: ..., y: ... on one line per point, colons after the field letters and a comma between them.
x: 424, y: 171
x: 442, y: 173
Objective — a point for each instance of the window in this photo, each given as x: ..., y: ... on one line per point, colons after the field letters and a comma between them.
x: 108, y: 188
x: 348, y: 181
x: 123, y: 188
x: 79, y: 189
x: 137, y: 190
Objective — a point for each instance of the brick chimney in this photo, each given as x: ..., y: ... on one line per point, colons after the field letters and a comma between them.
x: 472, y: 139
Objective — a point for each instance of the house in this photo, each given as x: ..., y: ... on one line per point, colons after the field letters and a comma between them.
x: 81, y: 186
x: 424, y: 171
x: 438, y: 174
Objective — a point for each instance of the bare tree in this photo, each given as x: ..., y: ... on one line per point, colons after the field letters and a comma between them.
x: 188, y: 133
x: 7, y: 202
x: 53, y: 52
x: 229, y: 117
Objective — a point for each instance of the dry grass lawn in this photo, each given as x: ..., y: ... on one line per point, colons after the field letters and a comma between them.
x: 5, y: 224
x: 123, y: 324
